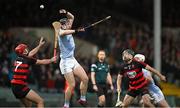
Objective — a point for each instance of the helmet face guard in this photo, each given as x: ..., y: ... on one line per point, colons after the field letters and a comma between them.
x: 129, y: 51
x: 20, y: 49
x: 127, y: 55
x: 63, y: 20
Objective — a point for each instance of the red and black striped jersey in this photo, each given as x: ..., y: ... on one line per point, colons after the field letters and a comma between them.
x: 134, y: 73
x: 21, y: 69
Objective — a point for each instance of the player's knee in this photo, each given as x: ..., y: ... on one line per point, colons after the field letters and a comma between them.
x: 102, y: 102
x: 163, y: 103
x: 41, y: 101
x: 85, y: 80
x: 72, y: 86
x: 147, y: 102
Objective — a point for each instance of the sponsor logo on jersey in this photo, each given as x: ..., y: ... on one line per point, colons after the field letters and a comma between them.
x: 131, y: 74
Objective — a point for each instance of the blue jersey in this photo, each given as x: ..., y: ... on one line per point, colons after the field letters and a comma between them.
x: 67, y: 46
x: 151, y: 86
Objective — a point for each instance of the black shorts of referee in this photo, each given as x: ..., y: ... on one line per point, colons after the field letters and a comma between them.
x: 102, y: 89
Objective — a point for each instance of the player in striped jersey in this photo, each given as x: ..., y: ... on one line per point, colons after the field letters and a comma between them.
x: 21, y: 72
x: 154, y: 90
x: 137, y: 82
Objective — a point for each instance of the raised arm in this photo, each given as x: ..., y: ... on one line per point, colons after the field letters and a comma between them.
x: 67, y: 32
x: 151, y: 69
x: 61, y: 32
x: 58, y: 31
x: 46, y: 61
x: 36, y: 49
x: 69, y: 15
x: 70, y: 18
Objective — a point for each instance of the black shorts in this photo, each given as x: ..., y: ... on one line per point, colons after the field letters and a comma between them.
x: 20, y: 91
x: 102, y: 89
x: 138, y: 92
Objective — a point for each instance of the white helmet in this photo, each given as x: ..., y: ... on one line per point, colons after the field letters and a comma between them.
x: 141, y: 57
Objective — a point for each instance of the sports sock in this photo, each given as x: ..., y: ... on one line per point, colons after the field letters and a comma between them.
x: 83, y: 98
x: 66, y: 103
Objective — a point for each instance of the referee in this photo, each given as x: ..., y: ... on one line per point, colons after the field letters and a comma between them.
x: 100, y: 77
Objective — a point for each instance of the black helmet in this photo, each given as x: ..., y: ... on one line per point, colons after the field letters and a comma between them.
x: 130, y: 52
x: 63, y: 20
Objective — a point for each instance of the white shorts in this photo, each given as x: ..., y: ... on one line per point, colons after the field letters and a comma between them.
x: 68, y: 65
x: 156, y: 94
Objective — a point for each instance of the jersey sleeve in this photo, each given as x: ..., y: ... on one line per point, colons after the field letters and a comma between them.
x: 32, y: 61
x: 141, y: 64
x: 108, y: 66
x: 121, y: 70
x: 146, y: 72
x: 93, y: 68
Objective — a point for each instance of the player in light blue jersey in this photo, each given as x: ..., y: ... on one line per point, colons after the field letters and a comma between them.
x: 154, y: 90
x: 68, y: 65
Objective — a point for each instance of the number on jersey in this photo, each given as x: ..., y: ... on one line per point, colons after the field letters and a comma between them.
x: 18, y: 64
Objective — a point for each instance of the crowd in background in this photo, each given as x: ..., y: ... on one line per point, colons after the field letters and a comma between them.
x: 170, y: 13
x: 142, y: 11
x: 171, y: 54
